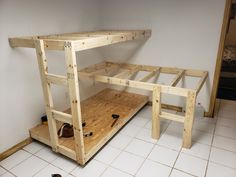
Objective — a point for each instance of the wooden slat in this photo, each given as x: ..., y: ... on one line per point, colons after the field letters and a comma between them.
x: 201, y: 82
x: 43, y: 67
x: 149, y: 76
x: 62, y: 117
x: 56, y: 79
x: 177, y: 78
x: 156, y: 108
x: 73, y: 84
x: 67, y: 152
x: 189, y: 117
x: 173, y: 117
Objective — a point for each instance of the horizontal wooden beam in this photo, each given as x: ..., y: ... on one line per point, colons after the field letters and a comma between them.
x: 62, y: 117
x: 56, y: 79
x: 136, y: 84
x: 173, y: 117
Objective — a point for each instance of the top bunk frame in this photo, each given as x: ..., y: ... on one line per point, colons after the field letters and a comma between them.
x: 81, y: 41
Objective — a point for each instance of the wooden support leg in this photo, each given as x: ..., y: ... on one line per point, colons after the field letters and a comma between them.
x: 156, y: 106
x: 43, y: 69
x: 189, y: 117
x: 73, y: 85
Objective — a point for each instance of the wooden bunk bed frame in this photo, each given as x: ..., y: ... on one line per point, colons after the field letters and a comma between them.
x: 108, y: 101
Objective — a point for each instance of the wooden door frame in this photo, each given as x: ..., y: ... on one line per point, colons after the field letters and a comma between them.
x: 224, y: 27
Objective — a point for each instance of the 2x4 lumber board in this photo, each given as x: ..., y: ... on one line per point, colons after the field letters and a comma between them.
x: 140, y: 85
x: 156, y: 108
x: 168, y: 106
x: 62, y: 117
x: 105, y: 40
x: 149, y: 76
x: 96, y: 33
x: 94, y: 67
x: 177, y: 78
x: 173, y: 117
x: 29, y: 43
x: 166, y: 70
x: 73, y: 84
x: 43, y: 67
x: 56, y: 79
x: 67, y: 152
x: 189, y: 117
x: 201, y: 82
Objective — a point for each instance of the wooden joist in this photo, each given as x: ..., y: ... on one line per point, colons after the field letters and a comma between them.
x: 150, y: 75
x: 177, y: 78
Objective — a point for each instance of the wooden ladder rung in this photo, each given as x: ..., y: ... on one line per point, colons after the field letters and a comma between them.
x: 56, y: 79
x: 62, y: 117
x: 170, y: 116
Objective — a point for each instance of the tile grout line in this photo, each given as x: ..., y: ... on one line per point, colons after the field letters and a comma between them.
x: 212, y: 141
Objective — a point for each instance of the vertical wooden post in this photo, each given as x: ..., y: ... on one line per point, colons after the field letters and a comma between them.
x: 189, y: 117
x: 43, y: 69
x: 73, y: 85
x: 156, y: 106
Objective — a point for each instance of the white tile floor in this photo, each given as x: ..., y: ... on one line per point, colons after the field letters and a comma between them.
x: 132, y: 153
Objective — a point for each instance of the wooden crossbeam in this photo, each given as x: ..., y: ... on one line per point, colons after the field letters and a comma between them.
x: 177, y: 78
x: 201, y: 82
x: 62, y: 117
x: 170, y: 116
x: 150, y: 75
x: 56, y: 79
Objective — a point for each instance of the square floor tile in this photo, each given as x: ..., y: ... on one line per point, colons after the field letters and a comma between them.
x: 199, y: 150
x: 7, y: 174
x: 111, y: 172
x: 120, y: 141
x: 227, y: 122
x: 29, y: 167
x: 177, y: 173
x: 47, y: 154
x: 2, y: 170
x: 206, y: 120
x: 146, y: 112
x: 14, y: 159
x: 163, y: 155
x: 224, y: 143
x: 33, y: 147
x: 153, y: 169
x: 128, y: 163
x: 215, y: 170
x: 139, y: 121
x: 202, y: 137
x: 223, y: 157
x: 49, y: 170
x: 107, y: 154
x: 146, y: 135
x: 190, y: 164
x: 65, y: 164
x: 92, y: 169
x: 171, y: 140
x: 227, y: 113
x: 139, y: 147
x: 130, y: 130
x: 226, y: 131
x: 204, y: 126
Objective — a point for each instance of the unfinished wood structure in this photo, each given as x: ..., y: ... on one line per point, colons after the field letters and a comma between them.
x: 97, y: 110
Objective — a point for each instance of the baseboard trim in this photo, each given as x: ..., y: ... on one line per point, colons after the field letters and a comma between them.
x: 15, y: 148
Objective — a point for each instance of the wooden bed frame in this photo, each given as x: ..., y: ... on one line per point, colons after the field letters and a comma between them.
x: 96, y: 111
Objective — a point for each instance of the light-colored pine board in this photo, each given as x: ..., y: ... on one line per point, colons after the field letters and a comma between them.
x: 97, y: 111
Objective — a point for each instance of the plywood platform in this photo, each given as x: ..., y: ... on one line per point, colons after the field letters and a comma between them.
x: 97, y: 111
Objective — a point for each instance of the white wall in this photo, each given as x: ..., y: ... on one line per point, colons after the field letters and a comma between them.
x: 185, y: 34
x: 21, y: 99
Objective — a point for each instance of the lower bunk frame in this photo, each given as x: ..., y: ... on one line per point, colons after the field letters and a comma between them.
x: 104, y: 72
